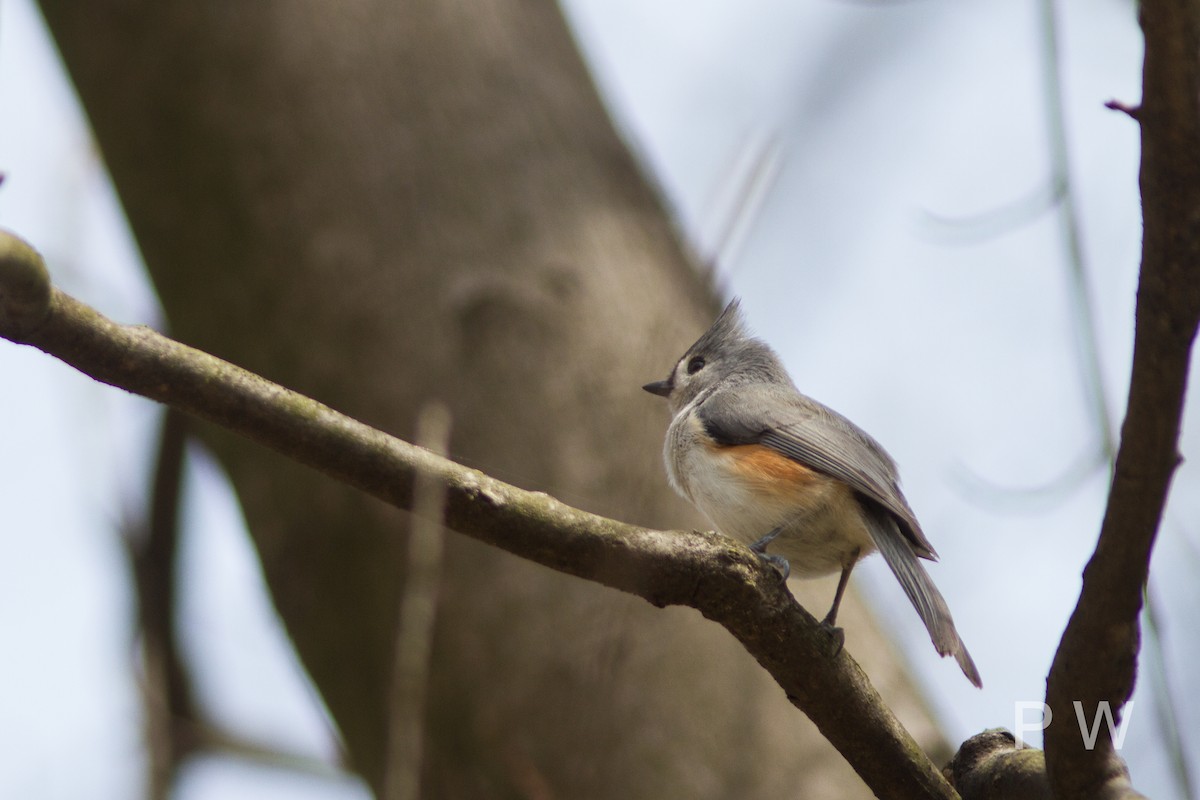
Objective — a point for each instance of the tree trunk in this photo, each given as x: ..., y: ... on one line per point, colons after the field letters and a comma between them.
x: 381, y: 203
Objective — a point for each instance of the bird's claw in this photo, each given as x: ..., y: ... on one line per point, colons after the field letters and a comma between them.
x: 837, y: 637
x: 778, y: 562
x: 775, y: 560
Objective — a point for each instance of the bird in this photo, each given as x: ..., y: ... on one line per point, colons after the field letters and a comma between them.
x: 808, y: 490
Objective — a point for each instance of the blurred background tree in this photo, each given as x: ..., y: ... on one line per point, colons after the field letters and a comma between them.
x: 386, y: 204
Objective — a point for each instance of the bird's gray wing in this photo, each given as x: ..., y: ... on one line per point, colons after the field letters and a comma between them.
x: 818, y: 437
x: 781, y: 418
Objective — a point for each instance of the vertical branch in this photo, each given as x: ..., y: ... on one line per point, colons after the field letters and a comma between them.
x: 173, y: 722
x: 1105, y: 620
x: 166, y: 695
x: 1164, y: 701
x: 1081, y: 290
x: 418, y: 609
x: 1091, y: 367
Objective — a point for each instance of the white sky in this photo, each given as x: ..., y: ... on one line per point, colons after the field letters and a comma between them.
x: 864, y: 123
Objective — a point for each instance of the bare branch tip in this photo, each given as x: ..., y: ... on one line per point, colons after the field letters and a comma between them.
x: 24, y: 287
x: 1133, y: 112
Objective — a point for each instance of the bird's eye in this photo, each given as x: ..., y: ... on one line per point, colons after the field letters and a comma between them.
x: 695, y: 365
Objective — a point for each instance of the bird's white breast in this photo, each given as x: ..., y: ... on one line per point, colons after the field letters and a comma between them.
x: 822, y: 521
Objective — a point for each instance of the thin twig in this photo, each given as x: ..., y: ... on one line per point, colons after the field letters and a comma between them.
x: 1008, y: 217
x: 418, y: 610
x: 1134, y: 112
x: 1092, y: 368
x: 1164, y: 699
x: 153, y: 545
x: 211, y: 739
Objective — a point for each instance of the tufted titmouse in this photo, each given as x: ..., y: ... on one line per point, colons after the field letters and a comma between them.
x: 771, y: 467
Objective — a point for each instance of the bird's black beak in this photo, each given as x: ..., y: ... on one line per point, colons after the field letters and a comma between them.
x: 660, y: 388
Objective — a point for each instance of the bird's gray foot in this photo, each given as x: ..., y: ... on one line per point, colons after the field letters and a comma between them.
x: 837, y: 636
x: 774, y: 559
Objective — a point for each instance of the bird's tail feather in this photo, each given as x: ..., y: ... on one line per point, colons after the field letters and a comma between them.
x: 919, y: 587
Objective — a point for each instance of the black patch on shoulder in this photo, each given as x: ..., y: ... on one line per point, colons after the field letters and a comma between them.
x: 726, y: 436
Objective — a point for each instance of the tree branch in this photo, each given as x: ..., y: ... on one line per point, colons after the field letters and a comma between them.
x: 705, y: 571
x: 993, y: 766
x: 153, y: 544
x: 1105, y: 621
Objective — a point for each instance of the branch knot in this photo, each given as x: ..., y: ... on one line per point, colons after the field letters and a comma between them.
x: 24, y: 288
